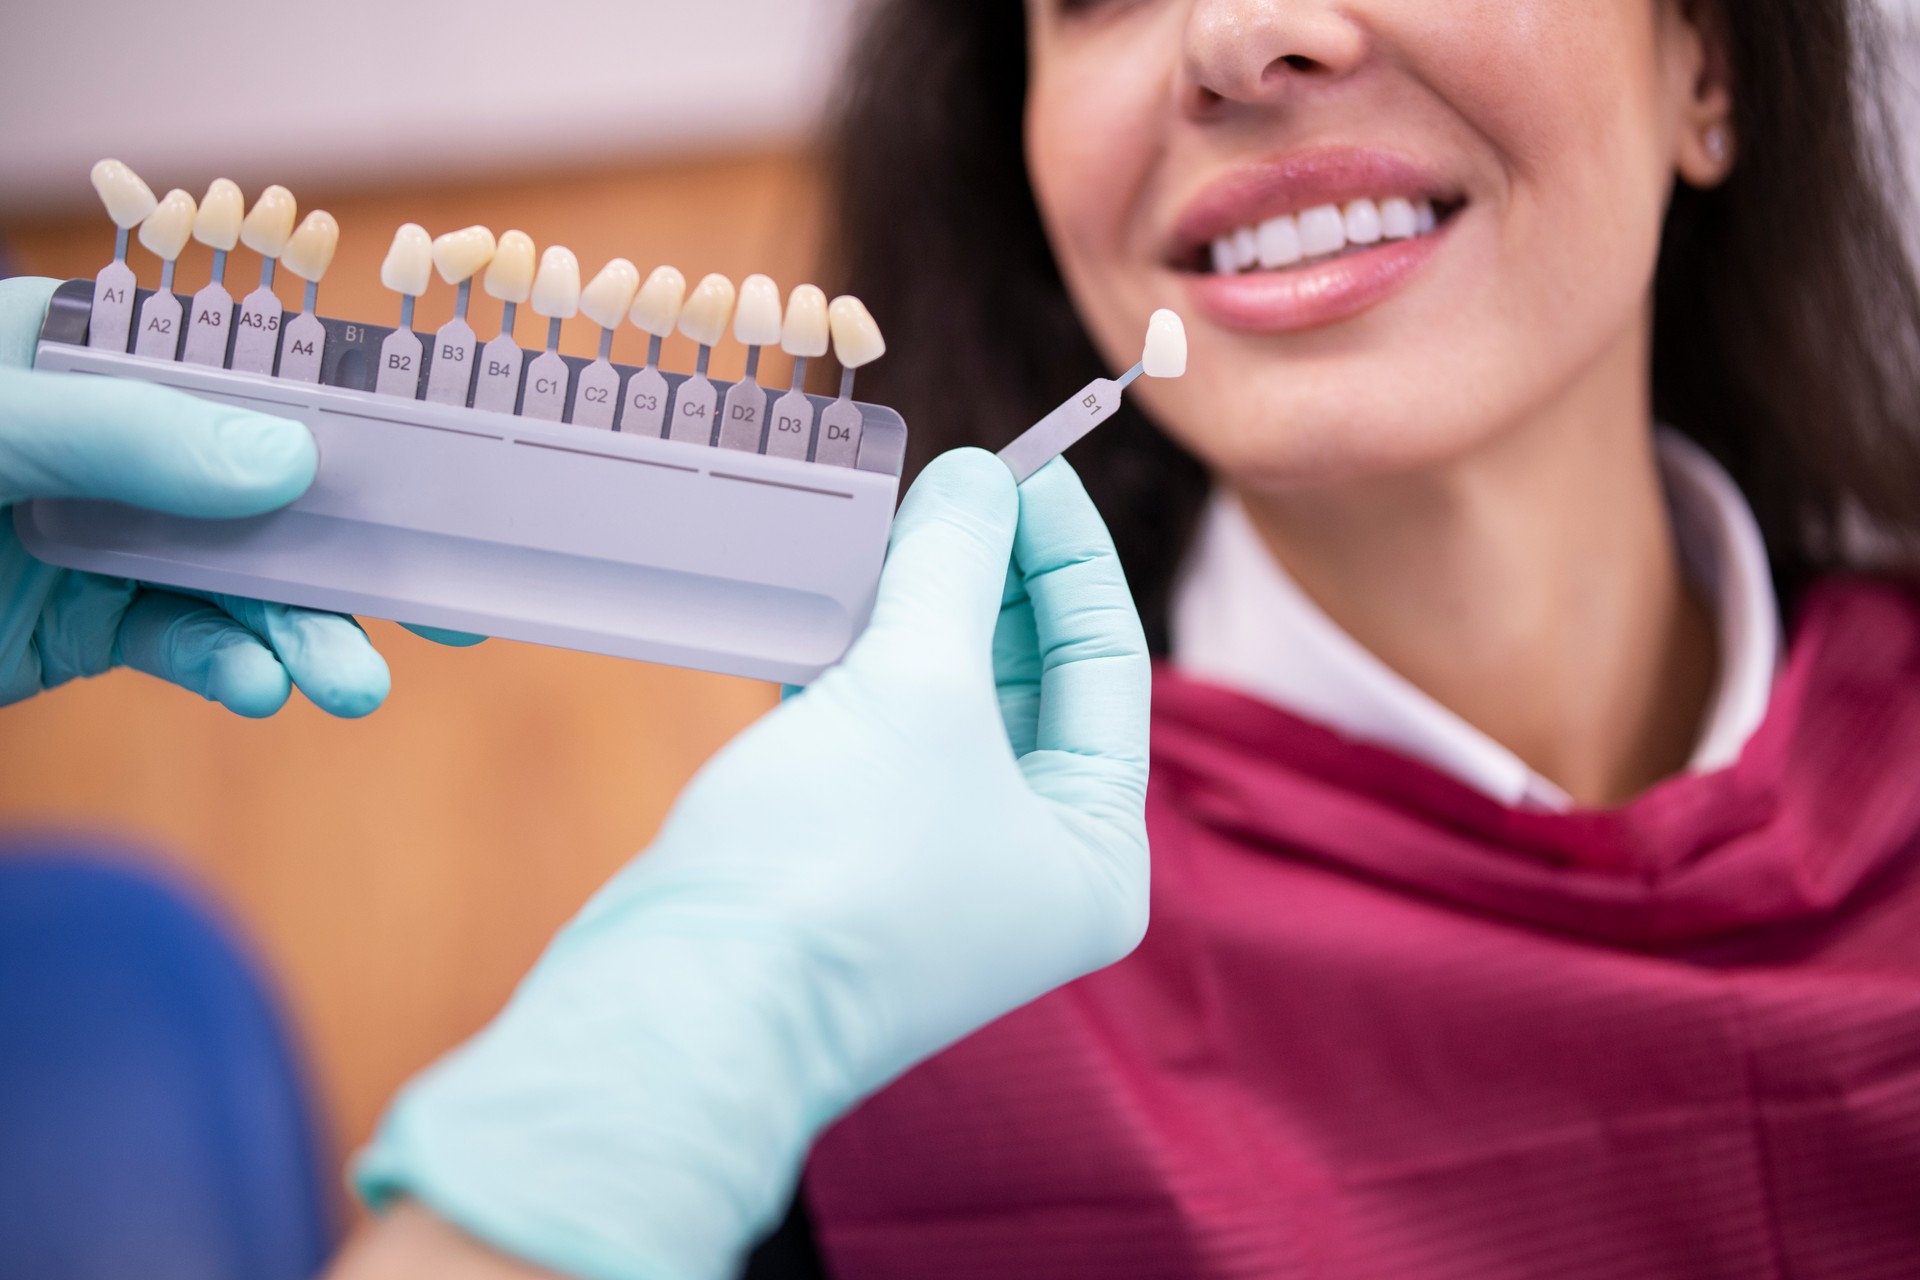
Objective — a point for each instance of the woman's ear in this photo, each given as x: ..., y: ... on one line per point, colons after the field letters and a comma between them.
x: 1704, y: 143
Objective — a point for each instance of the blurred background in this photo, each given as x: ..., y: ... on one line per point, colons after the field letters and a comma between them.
x: 395, y: 876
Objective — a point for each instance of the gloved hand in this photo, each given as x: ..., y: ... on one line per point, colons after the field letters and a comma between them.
x: 942, y: 828
x: 68, y: 436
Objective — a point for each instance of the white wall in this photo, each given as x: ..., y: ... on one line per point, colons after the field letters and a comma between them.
x: 263, y: 90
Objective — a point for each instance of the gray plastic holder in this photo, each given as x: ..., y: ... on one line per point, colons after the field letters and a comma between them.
x: 448, y: 516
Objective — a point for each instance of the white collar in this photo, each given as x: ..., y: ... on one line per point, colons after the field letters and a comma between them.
x: 1240, y: 621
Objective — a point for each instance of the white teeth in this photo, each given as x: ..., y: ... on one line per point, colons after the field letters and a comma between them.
x: 1166, y: 350
x: 805, y: 332
x: 704, y: 318
x: 1362, y: 218
x: 270, y: 223
x: 657, y: 308
x: 128, y: 199
x: 756, y: 322
x: 1279, y: 242
x: 608, y: 295
x: 309, y: 250
x: 1246, y: 248
x: 1322, y: 230
x: 856, y: 337
x: 222, y: 209
x: 459, y: 255
x: 556, y: 289
x: 166, y: 229
x: 510, y: 272
x: 408, y: 267
x: 1396, y: 218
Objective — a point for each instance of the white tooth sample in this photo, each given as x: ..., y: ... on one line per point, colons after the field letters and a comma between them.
x: 510, y: 271
x: 217, y: 222
x: 309, y: 250
x: 459, y: 255
x: 1396, y: 218
x: 556, y: 287
x: 1246, y: 248
x: 269, y: 223
x: 856, y: 337
x: 657, y: 309
x: 1362, y: 218
x: 128, y: 199
x: 408, y: 267
x: 169, y: 226
x: 608, y: 295
x: 1166, y: 350
x: 1423, y: 218
x: 1223, y: 257
x: 804, y: 334
x: 704, y: 318
x: 1322, y: 231
x: 1279, y: 242
x: 756, y: 321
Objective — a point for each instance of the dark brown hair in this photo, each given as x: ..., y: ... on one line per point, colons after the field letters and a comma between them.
x: 1787, y: 316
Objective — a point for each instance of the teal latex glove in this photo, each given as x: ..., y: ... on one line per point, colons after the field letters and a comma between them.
x: 69, y: 436
x: 945, y: 826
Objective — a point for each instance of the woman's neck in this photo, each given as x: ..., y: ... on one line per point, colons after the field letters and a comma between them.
x: 1532, y: 587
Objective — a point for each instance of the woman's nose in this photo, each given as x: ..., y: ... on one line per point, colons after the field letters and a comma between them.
x: 1265, y: 51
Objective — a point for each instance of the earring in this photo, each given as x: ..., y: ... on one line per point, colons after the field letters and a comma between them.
x: 1716, y: 143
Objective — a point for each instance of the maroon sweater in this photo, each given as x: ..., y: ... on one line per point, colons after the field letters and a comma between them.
x: 1383, y: 1026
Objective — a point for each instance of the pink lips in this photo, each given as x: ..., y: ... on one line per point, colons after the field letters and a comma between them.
x: 1304, y: 296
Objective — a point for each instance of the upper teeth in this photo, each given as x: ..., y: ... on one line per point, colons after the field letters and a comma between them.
x: 1320, y: 231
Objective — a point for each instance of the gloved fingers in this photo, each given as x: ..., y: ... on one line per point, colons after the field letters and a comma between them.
x: 1016, y: 664
x: 1096, y: 681
x: 327, y: 655
x: 947, y: 558
x: 23, y: 308
x: 197, y: 646
x: 72, y: 436
x: 440, y: 635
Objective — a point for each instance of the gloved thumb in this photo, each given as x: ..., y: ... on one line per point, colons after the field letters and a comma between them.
x: 72, y: 436
x: 947, y: 558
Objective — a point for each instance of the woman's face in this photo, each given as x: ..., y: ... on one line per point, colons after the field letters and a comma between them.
x: 1545, y: 134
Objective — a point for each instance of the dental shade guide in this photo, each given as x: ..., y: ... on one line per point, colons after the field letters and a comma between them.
x: 856, y: 342
x: 756, y: 324
x: 217, y: 225
x: 256, y: 333
x: 1165, y: 356
x: 128, y: 202
x: 461, y: 496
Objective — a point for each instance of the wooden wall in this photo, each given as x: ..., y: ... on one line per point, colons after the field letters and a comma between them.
x: 399, y: 873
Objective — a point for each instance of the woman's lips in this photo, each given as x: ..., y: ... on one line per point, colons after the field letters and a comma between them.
x: 1311, y: 295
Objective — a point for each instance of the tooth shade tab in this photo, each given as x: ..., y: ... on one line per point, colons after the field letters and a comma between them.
x: 127, y: 198
x: 756, y: 322
x: 657, y: 309
x: 1279, y: 242
x: 309, y: 250
x: 1323, y: 230
x: 704, y: 318
x: 556, y: 287
x: 510, y: 271
x: 608, y: 295
x: 168, y: 227
x: 408, y: 267
x: 222, y: 210
x: 459, y: 255
x: 856, y: 336
x: 804, y: 334
x: 270, y: 222
x: 1396, y: 218
x: 1165, y: 355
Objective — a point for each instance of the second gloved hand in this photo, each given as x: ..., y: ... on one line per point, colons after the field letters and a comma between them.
x: 944, y: 827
